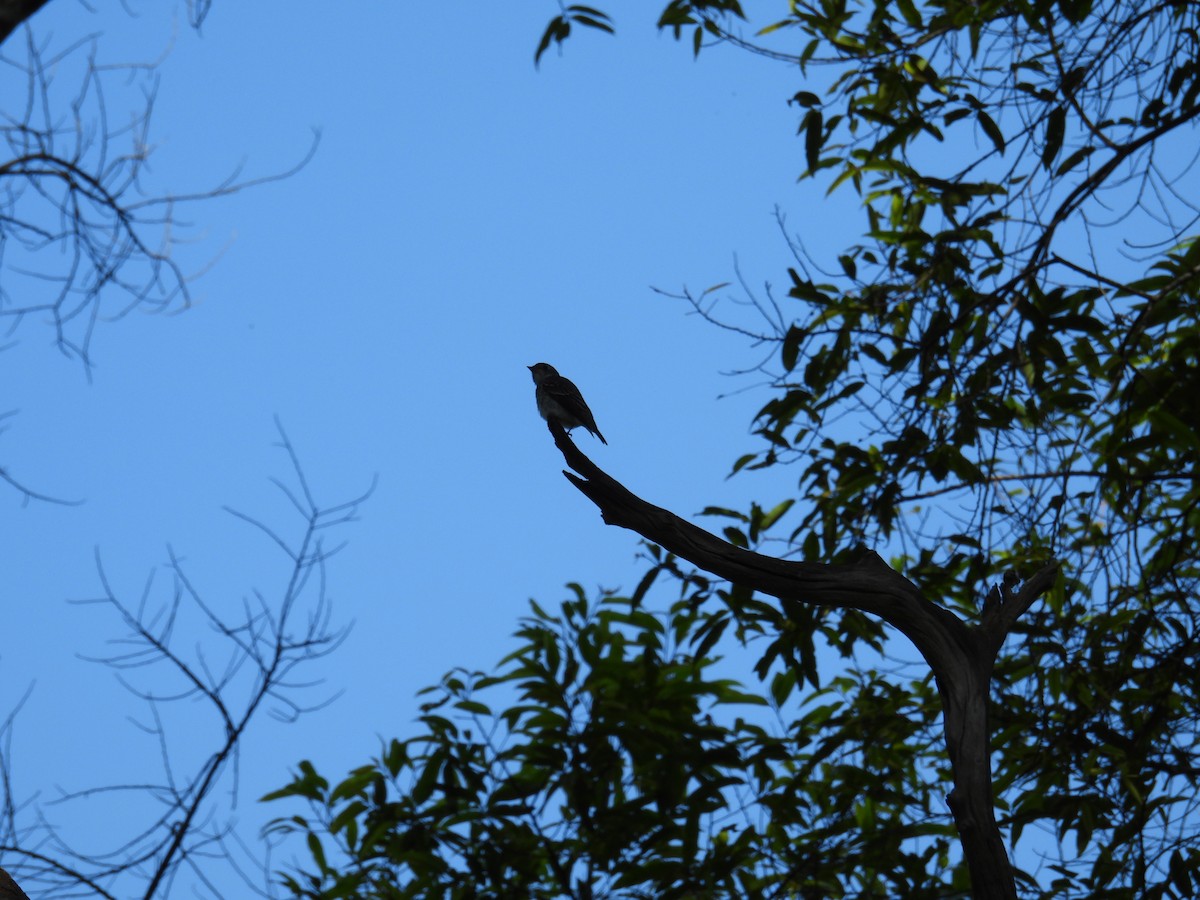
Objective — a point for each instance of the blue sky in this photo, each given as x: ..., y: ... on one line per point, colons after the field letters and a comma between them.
x: 465, y: 215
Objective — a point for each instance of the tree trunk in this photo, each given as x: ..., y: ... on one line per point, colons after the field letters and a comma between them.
x: 964, y: 695
x: 960, y: 655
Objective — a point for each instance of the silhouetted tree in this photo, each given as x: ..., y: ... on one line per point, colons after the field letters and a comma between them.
x: 996, y: 390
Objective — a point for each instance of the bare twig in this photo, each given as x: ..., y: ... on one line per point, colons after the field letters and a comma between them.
x: 249, y: 667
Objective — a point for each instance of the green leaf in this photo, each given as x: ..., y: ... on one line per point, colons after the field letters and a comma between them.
x: 556, y: 32
x: 780, y: 509
x: 474, y: 707
x: 813, y: 125
x: 1169, y: 426
x: 591, y: 18
x: 1075, y: 11
x: 643, y: 586
x: 782, y: 685
x: 423, y: 789
x: 909, y: 10
x: 742, y: 461
x: 1056, y: 124
x: 735, y: 536
x: 347, y: 816
x: 307, y: 784
x: 730, y: 692
x: 725, y: 513
x: 1074, y: 159
x: 791, y: 347
x: 709, y: 634
x: 1182, y: 873
x: 991, y: 129
x: 355, y: 784
x: 593, y: 23
x: 317, y: 851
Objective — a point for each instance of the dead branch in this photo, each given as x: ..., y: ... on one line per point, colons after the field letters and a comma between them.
x: 960, y: 655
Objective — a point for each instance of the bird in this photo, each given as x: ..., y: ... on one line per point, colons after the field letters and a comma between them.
x: 559, y: 400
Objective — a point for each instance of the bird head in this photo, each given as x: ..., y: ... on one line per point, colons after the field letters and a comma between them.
x: 542, y: 371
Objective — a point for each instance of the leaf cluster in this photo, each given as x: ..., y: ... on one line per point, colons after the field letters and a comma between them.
x: 622, y: 761
x: 1004, y: 367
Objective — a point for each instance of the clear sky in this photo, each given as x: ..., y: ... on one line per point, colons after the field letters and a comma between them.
x: 465, y: 215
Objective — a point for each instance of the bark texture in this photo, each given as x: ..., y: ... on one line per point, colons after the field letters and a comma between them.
x: 9, y: 889
x: 961, y: 655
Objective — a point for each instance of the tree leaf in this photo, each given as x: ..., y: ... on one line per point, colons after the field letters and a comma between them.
x: 1055, y: 127
x: 991, y: 129
x: 813, y: 138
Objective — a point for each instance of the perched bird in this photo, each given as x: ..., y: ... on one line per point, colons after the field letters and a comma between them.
x: 560, y: 400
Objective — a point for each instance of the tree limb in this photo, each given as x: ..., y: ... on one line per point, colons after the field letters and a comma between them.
x: 14, y: 12
x: 960, y: 655
x: 869, y: 585
x: 9, y: 889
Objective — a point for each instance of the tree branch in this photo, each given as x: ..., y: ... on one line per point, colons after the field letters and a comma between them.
x: 14, y: 12
x: 869, y: 584
x: 960, y: 655
x: 9, y: 889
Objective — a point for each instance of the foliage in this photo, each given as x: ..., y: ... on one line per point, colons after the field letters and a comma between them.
x: 1004, y: 367
x: 559, y: 28
x: 624, y: 763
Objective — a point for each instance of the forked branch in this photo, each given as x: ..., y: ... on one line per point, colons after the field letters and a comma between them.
x: 960, y: 655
